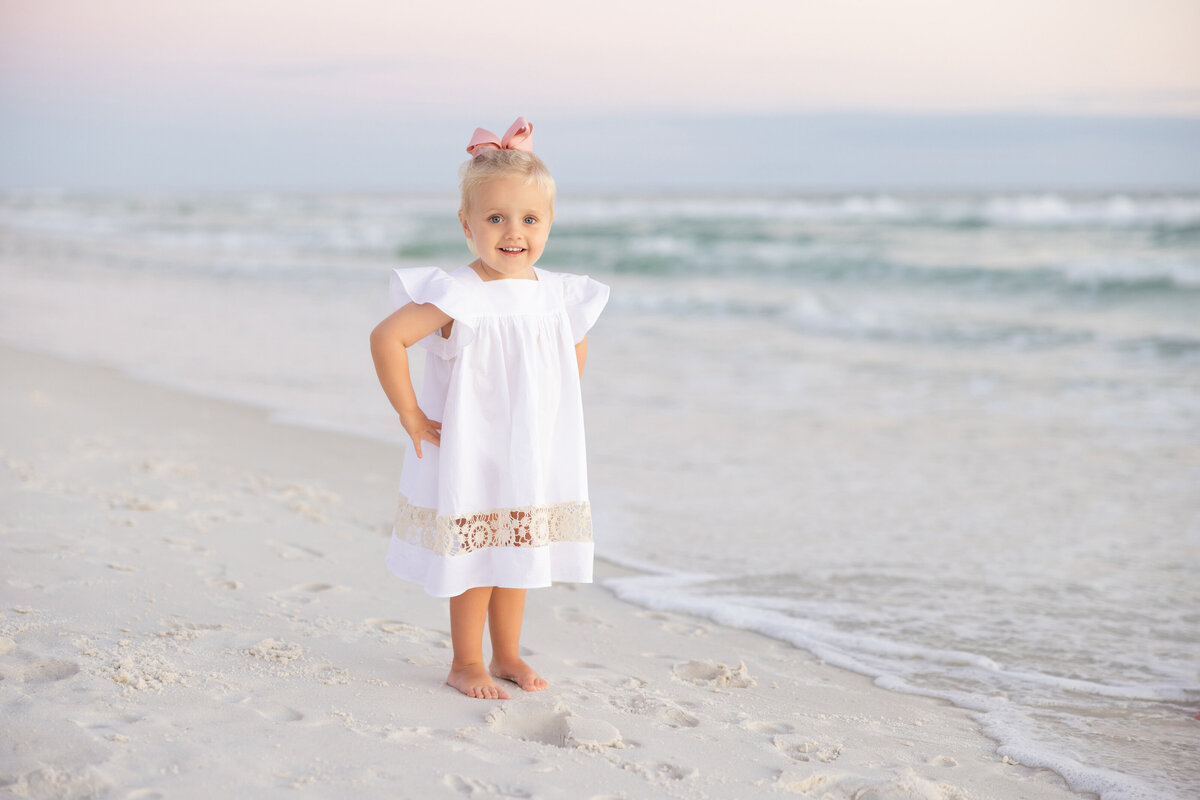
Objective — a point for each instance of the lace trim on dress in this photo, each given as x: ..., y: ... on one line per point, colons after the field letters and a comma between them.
x: 526, y: 526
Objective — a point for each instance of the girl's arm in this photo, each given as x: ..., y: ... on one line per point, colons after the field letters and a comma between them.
x: 389, y: 348
x: 581, y: 354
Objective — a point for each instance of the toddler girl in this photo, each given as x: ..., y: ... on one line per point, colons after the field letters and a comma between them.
x: 494, y: 486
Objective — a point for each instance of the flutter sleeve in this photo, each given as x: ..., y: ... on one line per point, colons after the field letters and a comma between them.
x: 432, y: 285
x: 585, y: 299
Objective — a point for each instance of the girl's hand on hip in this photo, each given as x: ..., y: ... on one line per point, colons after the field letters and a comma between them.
x: 421, y: 428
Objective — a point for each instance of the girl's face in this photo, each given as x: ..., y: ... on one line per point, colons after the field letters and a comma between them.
x: 508, y: 222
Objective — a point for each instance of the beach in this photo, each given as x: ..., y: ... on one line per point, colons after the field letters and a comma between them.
x: 195, y: 604
x: 947, y: 444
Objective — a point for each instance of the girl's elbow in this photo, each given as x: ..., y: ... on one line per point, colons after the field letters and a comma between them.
x: 382, y: 339
x: 385, y: 339
x: 377, y: 337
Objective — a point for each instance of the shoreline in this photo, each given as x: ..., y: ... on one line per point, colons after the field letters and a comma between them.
x: 196, y: 598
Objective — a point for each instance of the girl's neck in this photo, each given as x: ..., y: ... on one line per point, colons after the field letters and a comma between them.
x: 486, y: 273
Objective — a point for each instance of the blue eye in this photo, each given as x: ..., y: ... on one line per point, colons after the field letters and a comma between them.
x: 495, y: 218
x: 531, y: 220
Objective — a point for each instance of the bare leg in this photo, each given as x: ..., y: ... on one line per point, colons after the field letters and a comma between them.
x: 506, y: 610
x: 468, y: 612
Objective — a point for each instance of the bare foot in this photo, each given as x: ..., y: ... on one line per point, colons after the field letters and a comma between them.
x: 519, y: 673
x: 474, y: 681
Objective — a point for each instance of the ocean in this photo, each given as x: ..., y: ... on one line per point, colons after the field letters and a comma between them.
x: 949, y: 441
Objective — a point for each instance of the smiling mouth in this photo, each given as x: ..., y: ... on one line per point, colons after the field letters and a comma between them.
x: 513, y: 250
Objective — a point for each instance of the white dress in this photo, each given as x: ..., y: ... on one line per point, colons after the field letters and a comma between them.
x: 503, y: 501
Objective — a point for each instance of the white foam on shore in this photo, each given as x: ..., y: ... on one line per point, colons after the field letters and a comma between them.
x: 1010, y: 725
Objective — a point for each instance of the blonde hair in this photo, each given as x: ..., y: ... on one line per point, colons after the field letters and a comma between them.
x: 490, y: 164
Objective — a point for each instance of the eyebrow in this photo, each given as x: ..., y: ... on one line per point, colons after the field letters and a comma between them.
x: 530, y: 213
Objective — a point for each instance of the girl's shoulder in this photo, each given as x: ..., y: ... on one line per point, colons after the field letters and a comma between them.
x: 572, y: 283
x: 583, y: 296
x: 453, y: 292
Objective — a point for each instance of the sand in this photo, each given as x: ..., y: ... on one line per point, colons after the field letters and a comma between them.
x: 195, y: 604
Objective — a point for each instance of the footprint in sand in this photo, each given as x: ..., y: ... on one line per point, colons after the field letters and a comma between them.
x: 473, y: 787
x: 183, y: 543
x: 676, y: 717
x: 305, y: 592
x: 502, y: 757
x: 183, y: 629
x: 385, y: 625
x: 578, y: 617
x: 684, y: 630
x: 314, y: 587
x: 50, y: 670
x: 133, y: 502
x: 111, y: 724
x: 25, y: 667
x: 160, y: 466
x: 665, y: 712
x: 672, y: 625
x: 801, y: 748
x: 663, y: 771
x: 49, y: 781
x: 532, y: 723
x: 34, y: 550
x: 811, y: 784
x: 271, y: 711
x: 906, y: 786
x: 570, y: 662
x: 275, y: 650
x: 278, y: 713
x: 223, y: 583
x: 553, y: 725
x: 410, y: 633
x: 709, y: 673
x: 294, y: 552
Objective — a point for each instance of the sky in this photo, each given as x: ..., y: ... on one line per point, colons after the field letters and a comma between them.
x: 781, y: 94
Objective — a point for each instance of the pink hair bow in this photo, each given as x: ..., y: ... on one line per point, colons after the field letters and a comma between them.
x: 518, y: 137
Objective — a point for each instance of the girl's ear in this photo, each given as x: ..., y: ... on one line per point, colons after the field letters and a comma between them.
x: 467, y: 233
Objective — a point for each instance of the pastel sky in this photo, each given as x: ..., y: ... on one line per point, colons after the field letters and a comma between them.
x: 228, y: 84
